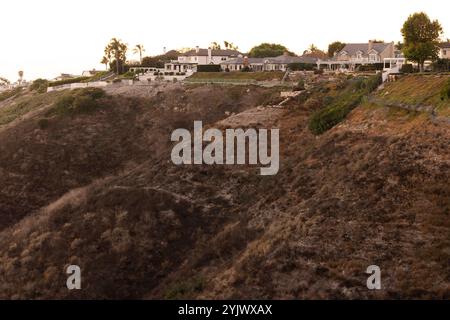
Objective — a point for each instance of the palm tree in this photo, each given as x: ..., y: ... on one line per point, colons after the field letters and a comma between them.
x: 20, y: 76
x: 139, y: 48
x: 118, y: 50
x: 215, y: 46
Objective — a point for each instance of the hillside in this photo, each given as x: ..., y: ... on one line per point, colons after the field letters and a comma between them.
x: 87, y: 180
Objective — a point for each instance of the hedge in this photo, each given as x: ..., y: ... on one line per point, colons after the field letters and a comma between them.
x: 67, y: 81
x: 301, y: 66
x: 209, y: 68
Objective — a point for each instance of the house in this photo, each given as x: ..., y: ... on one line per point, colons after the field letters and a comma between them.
x: 444, y: 50
x: 64, y: 76
x: 90, y: 73
x: 189, y: 60
x: 356, y: 54
x: 279, y: 63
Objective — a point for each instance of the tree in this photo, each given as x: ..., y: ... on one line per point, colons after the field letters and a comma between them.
x: 315, y: 52
x: 3, y: 81
x: 159, y: 60
x: 105, y: 61
x: 268, y: 50
x: 118, y: 50
x: 20, y: 76
x: 139, y: 48
x: 335, y: 47
x: 230, y: 45
x: 420, y: 38
x: 215, y: 46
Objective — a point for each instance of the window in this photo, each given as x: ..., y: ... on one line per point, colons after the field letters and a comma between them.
x: 445, y: 52
x: 373, y: 57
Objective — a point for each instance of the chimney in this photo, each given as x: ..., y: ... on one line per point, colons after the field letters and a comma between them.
x: 370, y: 45
x: 197, y: 49
x: 209, y: 55
x: 246, y: 61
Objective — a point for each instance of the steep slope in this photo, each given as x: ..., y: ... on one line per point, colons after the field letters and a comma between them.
x: 372, y: 190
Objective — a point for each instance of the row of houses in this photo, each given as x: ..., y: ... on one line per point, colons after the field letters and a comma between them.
x: 350, y: 57
x: 232, y: 60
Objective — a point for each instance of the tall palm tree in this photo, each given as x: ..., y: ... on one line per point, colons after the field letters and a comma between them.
x: 139, y: 48
x: 20, y: 76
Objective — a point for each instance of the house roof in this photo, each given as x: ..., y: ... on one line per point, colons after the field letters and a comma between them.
x: 353, y: 48
x: 240, y: 60
x: 444, y: 45
x: 214, y: 52
x: 283, y: 59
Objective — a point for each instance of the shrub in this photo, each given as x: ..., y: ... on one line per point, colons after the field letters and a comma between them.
x: 371, y: 67
x: 79, y: 101
x: 441, y: 65
x: 300, y: 85
x: 406, y: 68
x: 128, y: 75
x: 9, y: 93
x: 445, y: 91
x: 39, y: 85
x: 301, y: 66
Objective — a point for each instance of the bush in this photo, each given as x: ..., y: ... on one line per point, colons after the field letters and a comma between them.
x: 407, y: 68
x: 128, y: 75
x: 79, y: 101
x: 209, y: 68
x: 9, y: 93
x: 43, y: 123
x: 441, y: 65
x: 445, y: 91
x: 300, y: 66
x: 371, y: 67
x: 39, y: 85
x: 300, y: 85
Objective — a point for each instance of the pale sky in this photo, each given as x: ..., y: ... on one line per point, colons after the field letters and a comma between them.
x: 47, y: 37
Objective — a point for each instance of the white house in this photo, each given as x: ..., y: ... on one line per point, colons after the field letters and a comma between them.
x: 444, y: 50
x: 279, y: 63
x: 354, y: 54
x: 190, y: 59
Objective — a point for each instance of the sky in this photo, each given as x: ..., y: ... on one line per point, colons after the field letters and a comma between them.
x: 47, y: 37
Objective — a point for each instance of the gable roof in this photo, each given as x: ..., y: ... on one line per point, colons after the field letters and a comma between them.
x: 214, y: 52
x: 353, y: 48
